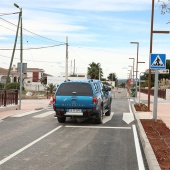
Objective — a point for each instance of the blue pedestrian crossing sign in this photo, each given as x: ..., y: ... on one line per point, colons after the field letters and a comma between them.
x: 158, y: 61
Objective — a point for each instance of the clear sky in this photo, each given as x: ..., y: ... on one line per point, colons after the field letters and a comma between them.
x: 98, y: 31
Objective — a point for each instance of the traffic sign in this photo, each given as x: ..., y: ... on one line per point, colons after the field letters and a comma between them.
x: 136, y: 79
x: 166, y: 71
x: 157, y: 61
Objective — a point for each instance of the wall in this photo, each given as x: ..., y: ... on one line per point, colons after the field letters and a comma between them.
x: 167, y: 94
x: 34, y: 86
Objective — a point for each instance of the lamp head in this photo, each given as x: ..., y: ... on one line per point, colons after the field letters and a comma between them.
x: 134, y: 42
x: 16, y: 5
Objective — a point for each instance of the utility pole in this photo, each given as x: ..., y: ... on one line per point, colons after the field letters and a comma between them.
x: 99, y: 71
x: 13, y: 49
x: 71, y: 68
x: 151, y: 39
x: 21, y: 61
x: 74, y: 67
x: 151, y: 42
x: 21, y: 56
x: 66, y: 69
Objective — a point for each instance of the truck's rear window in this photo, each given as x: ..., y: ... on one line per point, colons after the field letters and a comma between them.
x: 77, y: 89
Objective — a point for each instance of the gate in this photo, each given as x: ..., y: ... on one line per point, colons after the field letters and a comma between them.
x: 8, y: 97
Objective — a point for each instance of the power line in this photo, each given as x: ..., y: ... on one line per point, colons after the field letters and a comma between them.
x: 34, y: 48
x: 2, y: 14
x: 30, y: 60
x: 7, y: 28
x: 32, y: 32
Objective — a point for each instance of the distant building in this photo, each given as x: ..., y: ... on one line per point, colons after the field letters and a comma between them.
x: 32, y: 79
x: 13, y: 76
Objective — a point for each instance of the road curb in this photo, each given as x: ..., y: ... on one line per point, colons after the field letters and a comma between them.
x: 39, y: 108
x: 149, y: 153
x: 9, y: 107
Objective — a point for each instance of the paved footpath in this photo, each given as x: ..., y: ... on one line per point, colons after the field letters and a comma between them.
x: 163, y: 108
x: 26, y: 105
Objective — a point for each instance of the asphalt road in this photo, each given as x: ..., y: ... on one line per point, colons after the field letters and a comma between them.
x: 36, y: 140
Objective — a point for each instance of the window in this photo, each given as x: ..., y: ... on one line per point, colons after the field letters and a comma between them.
x: 95, y: 87
x: 78, y: 89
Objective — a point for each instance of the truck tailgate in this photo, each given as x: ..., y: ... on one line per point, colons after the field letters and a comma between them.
x: 74, y: 102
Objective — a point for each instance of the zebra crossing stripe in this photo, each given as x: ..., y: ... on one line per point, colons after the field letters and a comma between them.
x: 25, y: 113
x: 44, y: 114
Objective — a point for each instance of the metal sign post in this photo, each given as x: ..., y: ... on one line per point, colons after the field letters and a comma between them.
x: 157, y: 62
x: 155, y: 104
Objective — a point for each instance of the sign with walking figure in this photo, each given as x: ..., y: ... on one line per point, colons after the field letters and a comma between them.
x: 158, y: 61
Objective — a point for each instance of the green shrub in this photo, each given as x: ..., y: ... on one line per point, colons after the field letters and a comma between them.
x: 2, y: 85
x: 13, y: 86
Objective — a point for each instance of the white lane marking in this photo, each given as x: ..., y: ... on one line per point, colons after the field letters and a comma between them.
x: 108, y: 118
x: 25, y: 113
x: 128, y: 117
x: 97, y: 127
x: 129, y: 106
x: 132, y: 100
x: 44, y: 114
x: 138, y: 150
x: 27, y: 146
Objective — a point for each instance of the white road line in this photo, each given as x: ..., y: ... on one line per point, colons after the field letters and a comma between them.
x: 130, y: 106
x: 25, y: 113
x: 132, y: 100
x: 27, y: 146
x: 138, y: 150
x: 44, y: 114
x: 98, y: 127
x: 108, y: 118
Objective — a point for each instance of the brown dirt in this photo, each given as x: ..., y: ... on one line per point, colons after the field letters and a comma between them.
x: 141, y: 107
x: 159, y: 137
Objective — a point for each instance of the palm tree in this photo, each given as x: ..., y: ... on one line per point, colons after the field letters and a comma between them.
x: 51, y: 88
x: 93, y: 70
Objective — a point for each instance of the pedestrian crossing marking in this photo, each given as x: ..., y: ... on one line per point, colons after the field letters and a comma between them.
x: 158, y: 62
x: 25, y: 113
x: 44, y: 114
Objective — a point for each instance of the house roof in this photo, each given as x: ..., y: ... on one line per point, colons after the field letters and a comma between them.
x: 35, y: 69
x: 4, y: 71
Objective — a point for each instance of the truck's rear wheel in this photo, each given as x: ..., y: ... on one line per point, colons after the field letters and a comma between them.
x: 109, y: 110
x: 61, y: 119
x: 100, y: 116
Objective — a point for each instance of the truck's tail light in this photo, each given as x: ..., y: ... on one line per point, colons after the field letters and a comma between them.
x: 54, y: 99
x: 95, y: 100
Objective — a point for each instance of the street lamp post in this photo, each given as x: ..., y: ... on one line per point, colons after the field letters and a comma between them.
x: 133, y: 66
x: 99, y: 71
x: 137, y: 43
x: 131, y: 72
x: 21, y: 55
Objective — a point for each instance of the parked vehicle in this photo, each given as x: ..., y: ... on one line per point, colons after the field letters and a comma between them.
x: 82, y: 98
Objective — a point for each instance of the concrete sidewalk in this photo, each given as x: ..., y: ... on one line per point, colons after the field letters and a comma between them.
x: 163, y: 107
x: 163, y: 113
x: 26, y: 105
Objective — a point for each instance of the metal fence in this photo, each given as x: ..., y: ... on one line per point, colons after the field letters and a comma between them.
x: 161, y: 93
x: 8, y: 97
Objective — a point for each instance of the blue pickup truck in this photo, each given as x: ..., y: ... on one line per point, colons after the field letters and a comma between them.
x: 82, y: 98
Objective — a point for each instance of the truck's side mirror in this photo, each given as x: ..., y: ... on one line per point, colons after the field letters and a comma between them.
x: 106, y: 89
